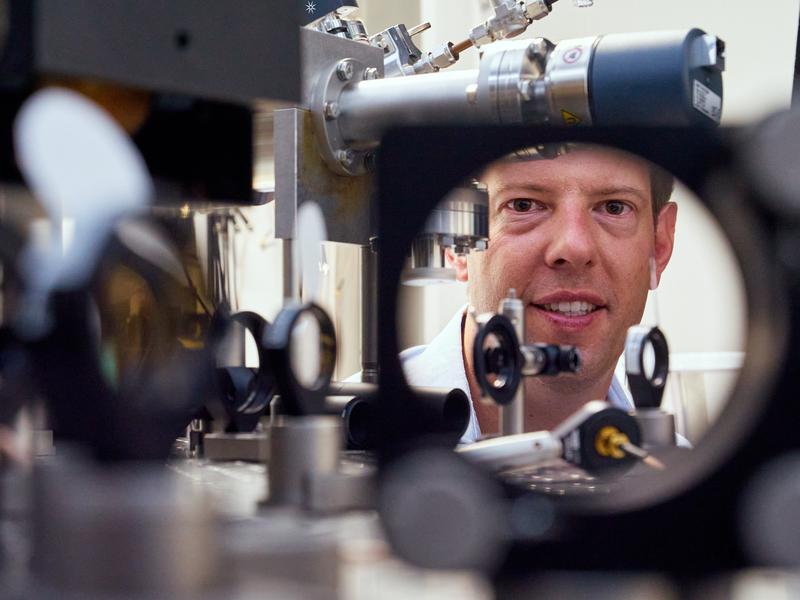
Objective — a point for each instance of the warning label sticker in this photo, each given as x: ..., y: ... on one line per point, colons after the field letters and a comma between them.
x: 706, y: 101
x: 569, y: 118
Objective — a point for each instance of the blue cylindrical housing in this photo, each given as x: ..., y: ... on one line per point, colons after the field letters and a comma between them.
x: 664, y: 78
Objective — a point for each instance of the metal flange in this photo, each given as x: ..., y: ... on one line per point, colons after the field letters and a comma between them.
x: 325, y: 108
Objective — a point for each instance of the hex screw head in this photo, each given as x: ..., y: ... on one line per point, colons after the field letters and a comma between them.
x: 344, y: 70
x: 332, y: 110
x: 371, y: 73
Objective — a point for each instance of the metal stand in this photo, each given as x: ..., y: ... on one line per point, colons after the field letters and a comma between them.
x: 512, y: 416
x: 369, y: 313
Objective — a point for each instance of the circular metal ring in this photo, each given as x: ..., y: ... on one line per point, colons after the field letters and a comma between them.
x: 246, y: 402
x: 296, y: 398
x: 504, y: 360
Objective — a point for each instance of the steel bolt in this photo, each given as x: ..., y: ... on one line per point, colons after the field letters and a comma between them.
x: 332, y: 110
x: 371, y: 73
x: 345, y: 157
x: 344, y: 70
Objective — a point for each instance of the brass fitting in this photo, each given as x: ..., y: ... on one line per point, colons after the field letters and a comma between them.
x: 609, y: 442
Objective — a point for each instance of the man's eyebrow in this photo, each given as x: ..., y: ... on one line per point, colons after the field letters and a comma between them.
x: 522, y: 185
x: 622, y: 189
x: 518, y: 187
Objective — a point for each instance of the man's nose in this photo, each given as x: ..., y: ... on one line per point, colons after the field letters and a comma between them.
x: 572, y: 242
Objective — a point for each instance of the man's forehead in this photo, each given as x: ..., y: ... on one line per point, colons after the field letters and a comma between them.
x: 581, y: 167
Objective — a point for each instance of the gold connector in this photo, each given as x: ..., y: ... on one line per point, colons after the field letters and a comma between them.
x: 609, y: 442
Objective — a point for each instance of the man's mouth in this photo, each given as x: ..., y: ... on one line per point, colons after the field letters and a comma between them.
x: 575, y: 308
x: 569, y: 310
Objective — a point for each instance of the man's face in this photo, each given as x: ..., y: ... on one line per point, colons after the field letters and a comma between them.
x: 575, y: 237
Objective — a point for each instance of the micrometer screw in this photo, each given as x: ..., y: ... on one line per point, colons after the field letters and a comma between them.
x: 332, y: 110
x: 344, y: 70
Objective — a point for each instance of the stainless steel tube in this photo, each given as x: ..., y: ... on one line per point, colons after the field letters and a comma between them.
x: 369, y: 108
x: 301, y: 447
x: 657, y: 426
x: 369, y: 314
x: 512, y: 416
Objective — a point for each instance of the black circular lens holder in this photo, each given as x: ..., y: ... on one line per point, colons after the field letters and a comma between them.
x: 297, y: 398
x: 647, y: 390
x: 245, y: 393
x: 504, y: 361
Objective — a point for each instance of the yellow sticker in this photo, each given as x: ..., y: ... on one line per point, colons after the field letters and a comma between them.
x: 569, y: 118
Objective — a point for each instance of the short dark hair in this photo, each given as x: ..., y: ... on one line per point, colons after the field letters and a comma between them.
x: 662, y: 184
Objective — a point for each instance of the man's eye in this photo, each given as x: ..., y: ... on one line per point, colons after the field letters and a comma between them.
x: 520, y: 204
x: 615, y: 207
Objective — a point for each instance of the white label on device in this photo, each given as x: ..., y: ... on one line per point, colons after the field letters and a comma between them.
x: 706, y: 101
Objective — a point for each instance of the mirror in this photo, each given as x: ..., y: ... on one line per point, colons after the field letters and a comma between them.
x: 593, y: 240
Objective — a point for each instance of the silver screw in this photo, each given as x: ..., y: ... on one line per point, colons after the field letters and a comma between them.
x: 332, y: 110
x: 371, y: 73
x: 344, y: 70
x: 345, y: 157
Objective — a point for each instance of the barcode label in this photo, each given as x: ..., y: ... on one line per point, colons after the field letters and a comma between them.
x: 706, y: 101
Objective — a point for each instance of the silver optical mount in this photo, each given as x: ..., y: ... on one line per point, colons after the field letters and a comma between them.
x: 501, y: 359
x: 512, y: 415
x: 460, y: 223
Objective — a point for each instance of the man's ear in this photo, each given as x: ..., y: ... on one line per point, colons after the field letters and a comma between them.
x: 665, y: 236
x: 458, y: 262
